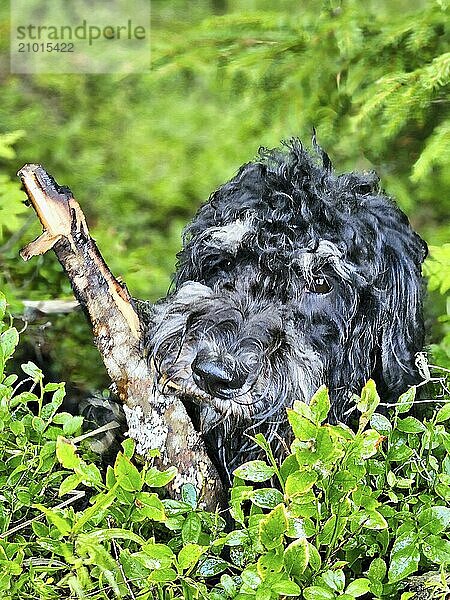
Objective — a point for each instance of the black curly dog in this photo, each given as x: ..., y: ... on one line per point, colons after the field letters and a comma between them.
x: 290, y: 277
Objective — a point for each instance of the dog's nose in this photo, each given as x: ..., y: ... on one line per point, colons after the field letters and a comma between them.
x: 217, y: 375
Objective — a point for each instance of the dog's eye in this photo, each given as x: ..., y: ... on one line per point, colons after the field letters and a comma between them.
x: 214, y: 269
x: 319, y: 285
x: 223, y: 265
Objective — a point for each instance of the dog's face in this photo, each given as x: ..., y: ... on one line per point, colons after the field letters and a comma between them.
x: 290, y: 277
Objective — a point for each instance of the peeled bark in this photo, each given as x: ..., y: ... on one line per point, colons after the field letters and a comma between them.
x: 154, y: 421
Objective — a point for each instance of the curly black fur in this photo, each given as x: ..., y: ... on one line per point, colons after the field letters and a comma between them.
x: 291, y: 276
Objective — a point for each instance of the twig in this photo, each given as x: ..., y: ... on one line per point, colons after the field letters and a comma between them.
x: 119, y: 564
x: 107, y: 427
x: 77, y: 494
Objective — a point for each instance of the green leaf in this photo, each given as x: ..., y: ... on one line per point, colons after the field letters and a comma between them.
x: 261, y: 441
x: 437, y: 549
x: 112, y: 533
x: 38, y: 424
x: 254, y: 470
x: 128, y: 477
x: 289, y: 466
x: 410, y: 425
x: 24, y: 497
x: 23, y: 398
x: 405, y: 557
x: 269, y: 563
x: 443, y: 491
x: 296, y: 557
x: 149, y: 506
x: 90, y: 473
x: 102, y: 501
x: 189, y: 555
x: 17, y: 427
x: 369, y: 442
x: 406, y: 401
x: 134, y: 566
x: 329, y: 529
x: 66, y: 453
x: 51, y: 387
x: 69, y: 483
x: 285, y: 587
x: 10, y: 380
x: 372, y: 519
x: 128, y: 446
x: 434, y: 520
x: 443, y: 413
x: 369, y: 399
x: 320, y: 405
x: 266, y: 497
x: 10, y: 567
x: 8, y: 341
x: 358, y: 587
x: 2, y: 305
x: 63, y: 525
x: 334, y: 579
x: 315, y: 560
x: 304, y: 430
x: 300, y: 482
x: 40, y: 529
x: 192, y: 528
x: 72, y: 425
x: 380, y: 423
x: 398, y: 449
x: 61, y: 417
x: 302, y: 409
x: 48, y: 412
x: 156, y: 479
x: 377, y: 570
x: 189, y: 495
x: 342, y: 483
x: 162, y: 576
x: 318, y: 593
x: 228, y: 585
x: 58, y: 396
x: 250, y: 577
x: 273, y: 527
x: 239, y: 537
x: 176, y: 507
x: 110, y: 477
x: 159, y: 552
x: 301, y: 527
x: 32, y: 370
x: 211, y: 567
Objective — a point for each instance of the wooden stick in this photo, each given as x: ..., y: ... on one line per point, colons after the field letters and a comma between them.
x: 154, y: 421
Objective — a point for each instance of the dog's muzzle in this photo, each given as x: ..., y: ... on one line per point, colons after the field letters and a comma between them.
x: 218, y: 375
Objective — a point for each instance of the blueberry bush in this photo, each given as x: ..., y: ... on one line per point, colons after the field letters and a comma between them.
x: 348, y: 514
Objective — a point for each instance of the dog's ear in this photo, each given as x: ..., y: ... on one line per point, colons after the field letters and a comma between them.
x: 401, y: 292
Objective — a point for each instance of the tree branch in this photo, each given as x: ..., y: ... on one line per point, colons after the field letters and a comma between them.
x: 154, y: 421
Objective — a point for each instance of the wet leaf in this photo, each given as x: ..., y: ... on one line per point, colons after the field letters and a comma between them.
x: 273, y: 527
x: 320, y: 405
x: 296, y: 557
x: 127, y: 475
x: 254, y: 470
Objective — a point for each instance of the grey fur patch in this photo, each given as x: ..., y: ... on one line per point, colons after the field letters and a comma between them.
x: 230, y: 237
x: 312, y: 261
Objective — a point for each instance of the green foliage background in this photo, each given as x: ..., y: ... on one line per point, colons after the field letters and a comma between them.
x: 142, y: 151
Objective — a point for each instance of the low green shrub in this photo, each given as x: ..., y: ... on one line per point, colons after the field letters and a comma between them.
x: 352, y: 514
